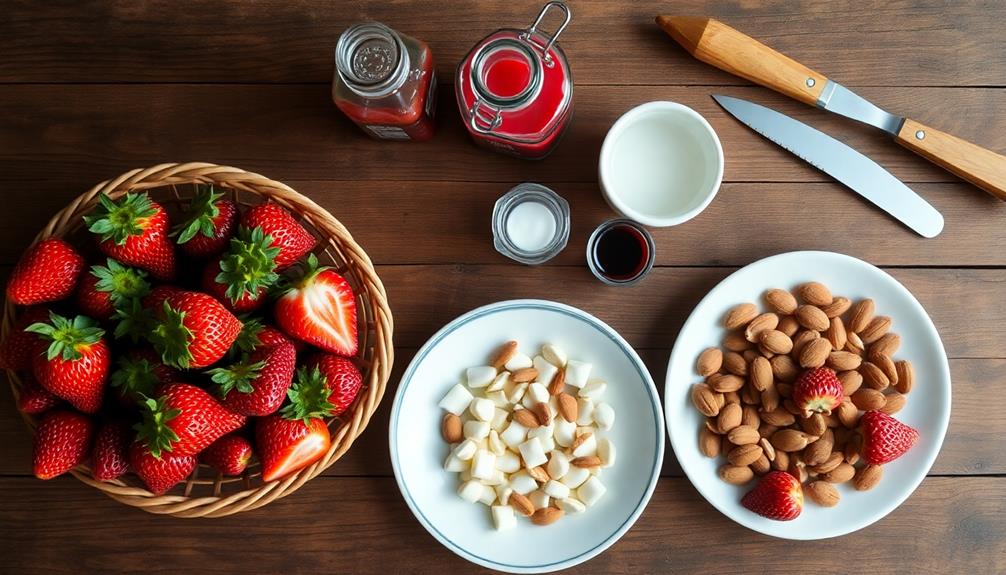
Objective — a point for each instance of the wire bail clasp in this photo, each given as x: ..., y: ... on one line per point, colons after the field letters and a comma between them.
x: 529, y: 34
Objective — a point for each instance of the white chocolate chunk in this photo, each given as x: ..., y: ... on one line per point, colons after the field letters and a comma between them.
x: 499, y: 383
x: 495, y: 444
x: 539, y: 499
x: 585, y: 410
x: 593, y: 389
x: 546, y: 371
x: 516, y: 394
x: 454, y: 464
x: 514, y: 435
x: 466, y: 450
x: 577, y: 372
x: 518, y: 361
x: 538, y: 394
x: 482, y: 408
x: 591, y: 491
x: 533, y: 453
x: 466, y: 473
x: 604, y: 416
x: 575, y: 477
x: 554, y: 355
x: 488, y: 495
x: 588, y: 447
x: 483, y: 464
x: 503, y: 492
x: 564, y: 433
x: 503, y: 517
x: 471, y: 491
x: 556, y: 490
x: 456, y: 400
x: 606, y: 452
x: 474, y: 429
x: 544, y: 435
x: 522, y: 483
x: 572, y: 505
x: 498, y: 398
x: 498, y: 422
x: 558, y: 465
x: 497, y: 478
x: 480, y: 376
x: 508, y: 462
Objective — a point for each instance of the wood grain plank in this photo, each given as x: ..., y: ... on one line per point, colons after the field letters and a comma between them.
x: 82, y: 134
x: 363, y: 526
x: 873, y: 43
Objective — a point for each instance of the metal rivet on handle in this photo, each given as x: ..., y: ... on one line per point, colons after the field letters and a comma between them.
x: 920, y: 135
x: 810, y: 82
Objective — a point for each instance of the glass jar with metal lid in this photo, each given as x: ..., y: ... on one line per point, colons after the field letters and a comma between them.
x: 385, y: 82
x: 515, y: 89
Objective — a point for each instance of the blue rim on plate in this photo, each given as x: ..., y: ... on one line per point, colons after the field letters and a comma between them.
x: 532, y: 304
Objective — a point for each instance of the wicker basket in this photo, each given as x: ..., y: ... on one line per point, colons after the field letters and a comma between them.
x: 206, y: 493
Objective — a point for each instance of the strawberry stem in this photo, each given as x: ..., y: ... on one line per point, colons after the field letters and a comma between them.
x: 154, y: 430
x: 236, y: 376
x: 249, y: 264
x: 134, y: 320
x: 120, y: 282
x: 201, y: 214
x: 116, y: 221
x: 171, y: 338
x: 67, y: 338
x: 308, y: 397
x: 134, y: 377
x: 248, y: 338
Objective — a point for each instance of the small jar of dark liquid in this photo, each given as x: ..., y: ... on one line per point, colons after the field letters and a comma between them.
x: 620, y: 252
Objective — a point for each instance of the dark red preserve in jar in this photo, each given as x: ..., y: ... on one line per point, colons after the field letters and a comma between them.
x: 515, y: 90
x: 385, y: 82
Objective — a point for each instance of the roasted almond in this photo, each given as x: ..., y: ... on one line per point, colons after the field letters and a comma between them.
x: 524, y: 375
x: 744, y: 454
x: 743, y: 435
x: 546, y: 516
x: 709, y: 362
x: 451, y: 428
x: 851, y: 381
x: 815, y: 293
x: 780, y: 301
x: 814, y: 425
x: 830, y: 463
x: 760, y: 373
x: 539, y: 474
x: 504, y: 354
x: 874, y: 330
x: 906, y: 376
x: 763, y: 322
x: 867, y: 399
x: 568, y: 407
x: 781, y: 461
x: 842, y: 473
x: 816, y: 453
x: 815, y: 353
x: 724, y: 382
x: 888, y: 344
x: 770, y: 398
x: 521, y: 504
x: 785, y: 389
x: 587, y: 461
x: 853, y: 343
x: 836, y: 333
x: 790, y: 440
x: 762, y: 465
x: 709, y: 443
x: 860, y: 315
x: 750, y: 417
x: 791, y: 407
x: 886, y: 365
x: 740, y: 315
x: 734, y: 341
x: 843, y: 360
x: 528, y: 419
x: 802, y: 338
x: 812, y: 317
x: 750, y: 395
x: 729, y: 417
x: 736, y: 475
x: 750, y: 354
x: 867, y: 477
x: 735, y: 363
x: 543, y: 413
x: 784, y: 369
x: 873, y: 376
x: 778, y: 417
x: 558, y: 382
x: 703, y: 398
x: 775, y: 341
x: 788, y: 325
x: 848, y: 414
x: 852, y: 448
x: 822, y: 493
x: 837, y: 307
x: 731, y: 397
x: 893, y: 403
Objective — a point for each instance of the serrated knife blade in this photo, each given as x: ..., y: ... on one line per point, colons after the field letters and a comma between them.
x: 856, y: 171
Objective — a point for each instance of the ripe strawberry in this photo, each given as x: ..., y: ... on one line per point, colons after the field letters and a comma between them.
x: 47, y: 271
x: 134, y: 231
x: 160, y: 473
x: 34, y: 399
x: 290, y: 237
x: 109, y: 287
x: 885, y: 438
x: 341, y: 376
x: 19, y: 347
x: 320, y: 309
x: 75, y: 365
x: 184, y: 420
x: 257, y: 385
x: 62, y: 441
x: 138, y: 373
x: 110, y: 456
x: 229, y: 455
x: 155, y: 299
x: 818, y: 391
x: 778, y: 496
x: 211, y: 222
x: 255, y: 334
x: 242, y: 276
x: 193, y: 330
x: 296, y: 436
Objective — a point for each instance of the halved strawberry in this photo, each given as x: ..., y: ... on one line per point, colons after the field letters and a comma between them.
x: 62, y: 441
x: 290, y: 237
x: 160, y: 473
x: 34, y: 399
x: 47, y: 271
x: 297, y: 436
x: 258, y: 384
x: 134, y: 231
x: 885, y: 438
x: 19, y: 347
x: 211, y: 222
x: 184, y: 420
x: 110, y: 456
x: 342, y: 377
x: 229, y: 455
x: 138, y: 374
x: 241, y: 277
x: 778, y: 496
x: 319, y: 308
x: 74, y: 366
x: 193, y: 330
x: 108, y: 287
x: 818, y: 390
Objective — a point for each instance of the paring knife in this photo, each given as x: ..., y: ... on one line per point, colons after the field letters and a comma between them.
x: 717, y: 44
x: 861, y: 174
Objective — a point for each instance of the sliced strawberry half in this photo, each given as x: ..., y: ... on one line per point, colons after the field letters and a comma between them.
x: 319, y: 308
x: 297, y: 436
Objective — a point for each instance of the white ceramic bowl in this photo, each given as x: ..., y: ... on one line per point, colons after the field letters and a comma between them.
x: 661, y: 164
x: 928, y: 408
x: 418, y: 452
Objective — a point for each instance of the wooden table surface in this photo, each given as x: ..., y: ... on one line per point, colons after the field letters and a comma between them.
x: 89, y: 89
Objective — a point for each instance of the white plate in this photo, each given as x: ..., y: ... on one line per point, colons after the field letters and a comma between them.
x: 418, y: 452
x: 928, y: 408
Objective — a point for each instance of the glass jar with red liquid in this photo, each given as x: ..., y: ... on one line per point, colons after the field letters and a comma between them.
x: 515, y: 90
x: 385, y: 82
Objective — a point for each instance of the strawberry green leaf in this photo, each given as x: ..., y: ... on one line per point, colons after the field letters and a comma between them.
x: 248, y: 338
x: 134, y: 321
x: 201, y: 213
x: 309, y: 269
x: 67, y: 338
x: 308, y: 396
x: 249, y: 264
x: 171, y: 338
x: 117, y: 221
x: 154, y: 430
x: 134, y: 376
x: 237, y: 376
x: 120, y: 282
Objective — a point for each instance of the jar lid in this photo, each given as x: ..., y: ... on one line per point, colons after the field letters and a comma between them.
x: 371, y: 59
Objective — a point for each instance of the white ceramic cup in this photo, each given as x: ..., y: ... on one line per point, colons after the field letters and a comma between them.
x: 661, y: 164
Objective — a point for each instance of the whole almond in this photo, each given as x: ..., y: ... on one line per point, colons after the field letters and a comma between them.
x: 837, y: 307
x: 784, y: 369
x: 528, y: 419
x: 750, y: 354
x: 785, y: 389
x: 830, y: 463
x: 888, y: 344
x: 750, y: 417
x: 543, y: 413
x: 767, y: 449
x: 814, y: 293
x: 791, y: 407
x: 504, y: 354
x: 867, y: 399
x: 740, y: 315
x: 729, y: 418
x: 743, y: 435
x: 893, y: 403
x: 724, y: 382
x: 766, y: 352
x: 816, y: 453
x: 579, y: 440
x: 867, y: 477
x: 568, y: 407
x: 860, y: 315
x: 802, y: 338
x: 814, y: 425
x: 546, y: 515
x: 876, y: 329
x: 848, y: 414
x: 451, y: 428
x: 762, y: 465
x: 709, y: 443
x: 780, y: 301
x: 873, y: 376
x: 770, y: 398
x: 789, y: 440
x: 836, y: 333
x: 731, y: 397
x: 822, y: 493
x: 703, y: 398
x: 709, y: 362
x: 750, y: 395
x: 712, y: 425
x: 743, y: 455
x: 778, y: 417
x: 844, y: 472
x: 886, y: 365
x: 760, y: 373
x: 812, y: 317
x: 781, y: 461
x: 521, y: 504
x: 906, y: 376
x: 558, y: 382
x: 734, y: 341
x: 524, y: 375
x: 843, y: 360
x: 735, y: 363
x: 775, y: 341
x: 852, y: 448
x: 735, y: 475
x: 815, y: 353
x: 853, y: 343
x: 539, y: 474
x: 587, y: 461
x: 763, y: 322
x: 788, y: 325
x: 831, y: 420
x: 851, y: 381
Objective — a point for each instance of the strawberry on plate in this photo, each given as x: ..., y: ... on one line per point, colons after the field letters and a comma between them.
x: 138, y: 373
x: 342, y: 377
x: 290, y: 237
x: 184, y: 420
x: 110, y: 456
x: 19, y: 347
x: 229, y: 455
x: 241, y: 277
x: 778, y: 496
x: 62, y: 442
x: 134, y: 231
x: 74, y: 365
x: 34, y: 399
x: 885, y: 438
x: 162, y: 473
x: 297, y: 436
x: 212, y: 220
x: 193, y: 330
x: 319, y: 308
x: 258, y: 384
x: 47, y: 271
x: 108, y: 287
x: 818, y: 390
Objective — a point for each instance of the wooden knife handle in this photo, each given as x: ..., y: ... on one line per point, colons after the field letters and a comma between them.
x: 983, y: 168
x: 719, y: 45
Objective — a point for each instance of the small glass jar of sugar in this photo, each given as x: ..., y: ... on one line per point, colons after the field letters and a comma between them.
x: 530, y: 224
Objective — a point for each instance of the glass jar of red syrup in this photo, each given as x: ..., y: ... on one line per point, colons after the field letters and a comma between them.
x: 515, y: 90
x: 385, y: 82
